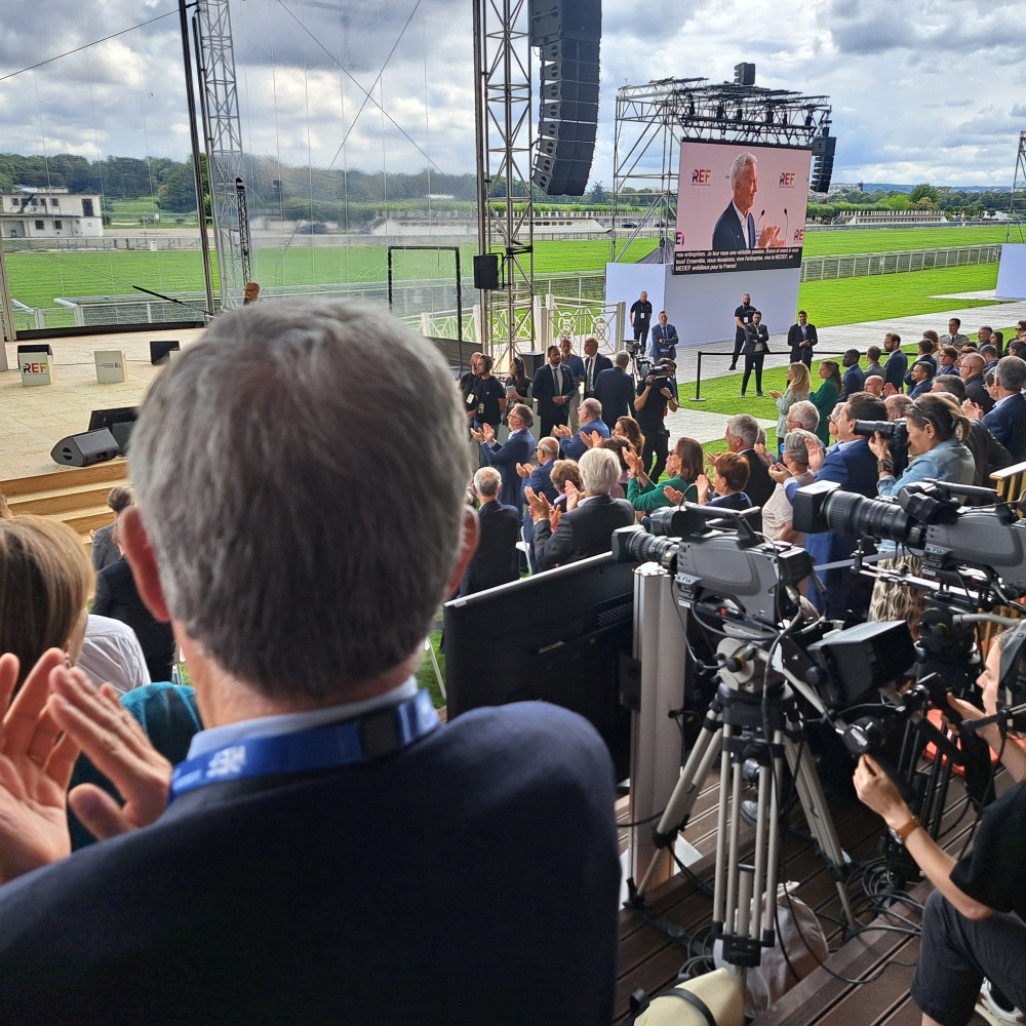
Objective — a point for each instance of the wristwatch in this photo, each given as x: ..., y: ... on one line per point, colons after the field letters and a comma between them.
x: 902, y: 834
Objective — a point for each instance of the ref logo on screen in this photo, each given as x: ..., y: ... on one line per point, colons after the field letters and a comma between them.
x: 701, y: 176
x: 799, y: 236
x: 787, y: 179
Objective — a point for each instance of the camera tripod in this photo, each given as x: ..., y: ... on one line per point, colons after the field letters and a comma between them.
x: 748, y: 719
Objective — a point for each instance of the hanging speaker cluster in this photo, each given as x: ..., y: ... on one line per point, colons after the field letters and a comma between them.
x: 823, y: 147
x: 567, y: 33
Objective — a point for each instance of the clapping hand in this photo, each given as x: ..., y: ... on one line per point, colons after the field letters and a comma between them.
x: 779, y: 472
x: 525, y: 469
x: 539, y: 507
x: 676, y: 497
x: 776, y: 394
x: 973, y: 410
x: 702, y: 486
x: 590, y: 440
x: 561, y: 430
x: 573, y: 495
x: 478, y: 436
x: 760, y: 448
x: 489, y: 433
x: 633, y: 460
x: 816, y: 454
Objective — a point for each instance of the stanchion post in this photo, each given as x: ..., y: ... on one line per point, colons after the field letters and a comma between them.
x: 698, y: 380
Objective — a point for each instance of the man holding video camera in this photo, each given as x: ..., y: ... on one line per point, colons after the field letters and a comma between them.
x: 974, y: 924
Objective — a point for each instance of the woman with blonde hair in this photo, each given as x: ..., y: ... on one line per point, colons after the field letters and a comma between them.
x: 799, y: 386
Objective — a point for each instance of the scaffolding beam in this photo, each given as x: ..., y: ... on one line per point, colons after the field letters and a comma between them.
x: 505, y: 141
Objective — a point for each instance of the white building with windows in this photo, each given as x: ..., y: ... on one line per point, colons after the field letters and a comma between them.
x: 53, y: 213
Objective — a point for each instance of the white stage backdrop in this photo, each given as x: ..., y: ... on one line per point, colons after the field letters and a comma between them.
x: 702, y: 305
x: 1011, y: 279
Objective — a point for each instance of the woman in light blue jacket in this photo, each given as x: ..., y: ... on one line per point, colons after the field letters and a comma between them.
x: 937, y: 430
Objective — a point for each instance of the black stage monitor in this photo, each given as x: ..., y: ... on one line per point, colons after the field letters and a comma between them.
x: 160, y: 350
x: 555, y: 637
x: 119, y: 420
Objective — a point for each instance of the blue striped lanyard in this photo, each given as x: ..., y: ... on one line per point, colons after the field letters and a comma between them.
x: 350, y: 743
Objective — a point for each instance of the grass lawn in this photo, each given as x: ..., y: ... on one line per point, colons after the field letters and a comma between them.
x: 850, y: 300
x: 891, y: 240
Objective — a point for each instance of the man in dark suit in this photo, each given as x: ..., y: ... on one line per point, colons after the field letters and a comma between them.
x: 539, y: 480
x: 741, y: 435
x: 553, y: 385
x: 495, y: 561
x: 1007, y: 420
x: 853, y: 466
x: 853, y: 377
x: 573, y: 446
x: 118, y: 598
x: 594, y: 364
x: 518, y: 448
x: 802, y: 338
x: 896, y: 365
x: 615, y: 391
x: 286, y: 883
x: 736, y: 227
x: 970, y: 369
x: 586, y: 528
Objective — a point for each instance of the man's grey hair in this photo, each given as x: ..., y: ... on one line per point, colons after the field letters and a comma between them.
x: 594, y: 408
x: 745, y: 427
x: 794, y: 445
x: 1011, y: 373
x: 737, y: 169
x: 622, y: 359
x: 549, y: 446
x: 487, y: 482
x: 525, y: 414
x: 256, y: 485
x: 600, y: 470
x: 897, y: 406
x: 804, y: 414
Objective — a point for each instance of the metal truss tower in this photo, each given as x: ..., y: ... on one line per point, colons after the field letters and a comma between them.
x: 504, y: 132
x: 1018, y: 185
x: 652, y: 120
x: 219, y: 103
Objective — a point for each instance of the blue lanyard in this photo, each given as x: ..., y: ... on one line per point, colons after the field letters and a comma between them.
x: 339, y: 744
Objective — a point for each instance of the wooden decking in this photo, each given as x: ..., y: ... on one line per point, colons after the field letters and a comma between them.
x: 650, y: 960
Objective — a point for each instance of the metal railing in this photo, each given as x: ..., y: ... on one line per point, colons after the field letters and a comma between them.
x: 697, y: 397
x: 857, y: 265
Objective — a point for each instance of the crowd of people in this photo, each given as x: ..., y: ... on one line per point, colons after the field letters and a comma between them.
x: 278, y: 874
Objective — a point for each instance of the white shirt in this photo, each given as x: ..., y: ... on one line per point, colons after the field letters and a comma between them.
x: 743, y: 218
x: 111, y: 653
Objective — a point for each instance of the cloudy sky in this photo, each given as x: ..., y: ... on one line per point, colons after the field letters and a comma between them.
x: 922, y: 90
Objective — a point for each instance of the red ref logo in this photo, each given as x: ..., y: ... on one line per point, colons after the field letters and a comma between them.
x: 787, y: 179
x: 701, y: 176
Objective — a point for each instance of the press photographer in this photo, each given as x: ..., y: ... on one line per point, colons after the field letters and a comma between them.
x: 973, y: 925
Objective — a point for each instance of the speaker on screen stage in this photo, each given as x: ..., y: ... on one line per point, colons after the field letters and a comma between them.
x: 533, y: 362
x: 85, y: 449
x: 823, y: 147
x: 159, y: 351
x: 486, y: 271
x: 568, y: 32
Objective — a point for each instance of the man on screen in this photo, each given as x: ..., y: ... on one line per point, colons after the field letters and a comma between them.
x: 736, y: 227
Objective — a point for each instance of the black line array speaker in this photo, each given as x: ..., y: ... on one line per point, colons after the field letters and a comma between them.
x: 533, y: 362
x: 85, y: 449
x: 823, y: 147
x: 486, y: 271
x: 568, y: 33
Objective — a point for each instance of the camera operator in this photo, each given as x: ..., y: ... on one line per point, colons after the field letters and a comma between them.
x: 937, y: 430
x: 973, y: 924
x: 655, y: 393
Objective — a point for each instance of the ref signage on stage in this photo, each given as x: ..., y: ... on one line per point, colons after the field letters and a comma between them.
x: 740, y: 207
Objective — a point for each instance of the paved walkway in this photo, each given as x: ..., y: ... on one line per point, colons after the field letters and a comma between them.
x: 691, y: 420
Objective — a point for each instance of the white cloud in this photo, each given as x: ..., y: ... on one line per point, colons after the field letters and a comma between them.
x: 926, y: 90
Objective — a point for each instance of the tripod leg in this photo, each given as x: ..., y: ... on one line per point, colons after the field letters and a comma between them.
x: 682, y: 801
x: 817, y: 815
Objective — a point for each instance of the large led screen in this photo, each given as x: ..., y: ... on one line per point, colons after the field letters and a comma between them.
x: 740, y: 207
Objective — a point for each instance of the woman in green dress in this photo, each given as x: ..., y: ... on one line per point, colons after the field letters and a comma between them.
x: 683, y: 464
x: 825, y: 397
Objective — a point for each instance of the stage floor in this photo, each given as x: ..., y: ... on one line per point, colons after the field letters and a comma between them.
x: 33, y: 420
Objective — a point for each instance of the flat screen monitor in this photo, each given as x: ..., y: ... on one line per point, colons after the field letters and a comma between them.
x: 119, y: 420
x: 559, y: 636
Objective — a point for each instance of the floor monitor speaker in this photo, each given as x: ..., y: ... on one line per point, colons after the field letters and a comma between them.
x: 85, y: 449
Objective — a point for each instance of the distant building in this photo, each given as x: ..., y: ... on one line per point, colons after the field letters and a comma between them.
x: 49, y: 214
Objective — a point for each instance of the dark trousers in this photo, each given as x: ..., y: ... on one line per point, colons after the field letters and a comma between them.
x: 802, y: 355
x: 641, y: 334
x: 956, y: 953
x: 552, y: 416
x: 753, y: 361
x: 656, y: 448
x: 739, y: 344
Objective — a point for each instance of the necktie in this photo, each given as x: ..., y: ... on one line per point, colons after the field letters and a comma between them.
x: 588, y: 376
x: 556, y: 383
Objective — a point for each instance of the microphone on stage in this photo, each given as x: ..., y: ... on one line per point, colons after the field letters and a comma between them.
x: 787, y: 237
